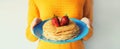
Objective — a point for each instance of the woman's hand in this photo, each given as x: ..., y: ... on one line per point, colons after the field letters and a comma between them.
x: 86, y: 21
x: 35, y: 22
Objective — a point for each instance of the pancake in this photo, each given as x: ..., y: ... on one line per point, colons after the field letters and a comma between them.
x: 60, y: 33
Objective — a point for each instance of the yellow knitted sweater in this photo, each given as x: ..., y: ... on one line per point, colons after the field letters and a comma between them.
x: 45, y: 9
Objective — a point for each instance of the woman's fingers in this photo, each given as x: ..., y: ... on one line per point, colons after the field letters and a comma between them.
x: 35, y: 22
x: 86, y: 20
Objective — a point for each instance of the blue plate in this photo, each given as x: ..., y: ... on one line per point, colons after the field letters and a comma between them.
x: 37, y: 31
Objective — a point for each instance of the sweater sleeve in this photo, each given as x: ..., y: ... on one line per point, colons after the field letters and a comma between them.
x: 33, y: 12
x: 88, y: 12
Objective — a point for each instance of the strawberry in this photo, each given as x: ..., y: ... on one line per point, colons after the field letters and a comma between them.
x: 64, y: 21
x: 55, y: 21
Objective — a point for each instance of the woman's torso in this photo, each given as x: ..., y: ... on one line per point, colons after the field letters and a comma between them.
x: 49, y: 8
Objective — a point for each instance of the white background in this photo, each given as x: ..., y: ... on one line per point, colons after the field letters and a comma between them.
x: 13, y: 16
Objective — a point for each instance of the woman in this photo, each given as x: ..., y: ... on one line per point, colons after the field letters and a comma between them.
x: 40, y: 10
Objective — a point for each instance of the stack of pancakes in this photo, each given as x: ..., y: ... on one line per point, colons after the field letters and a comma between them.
x: 60, y: 33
